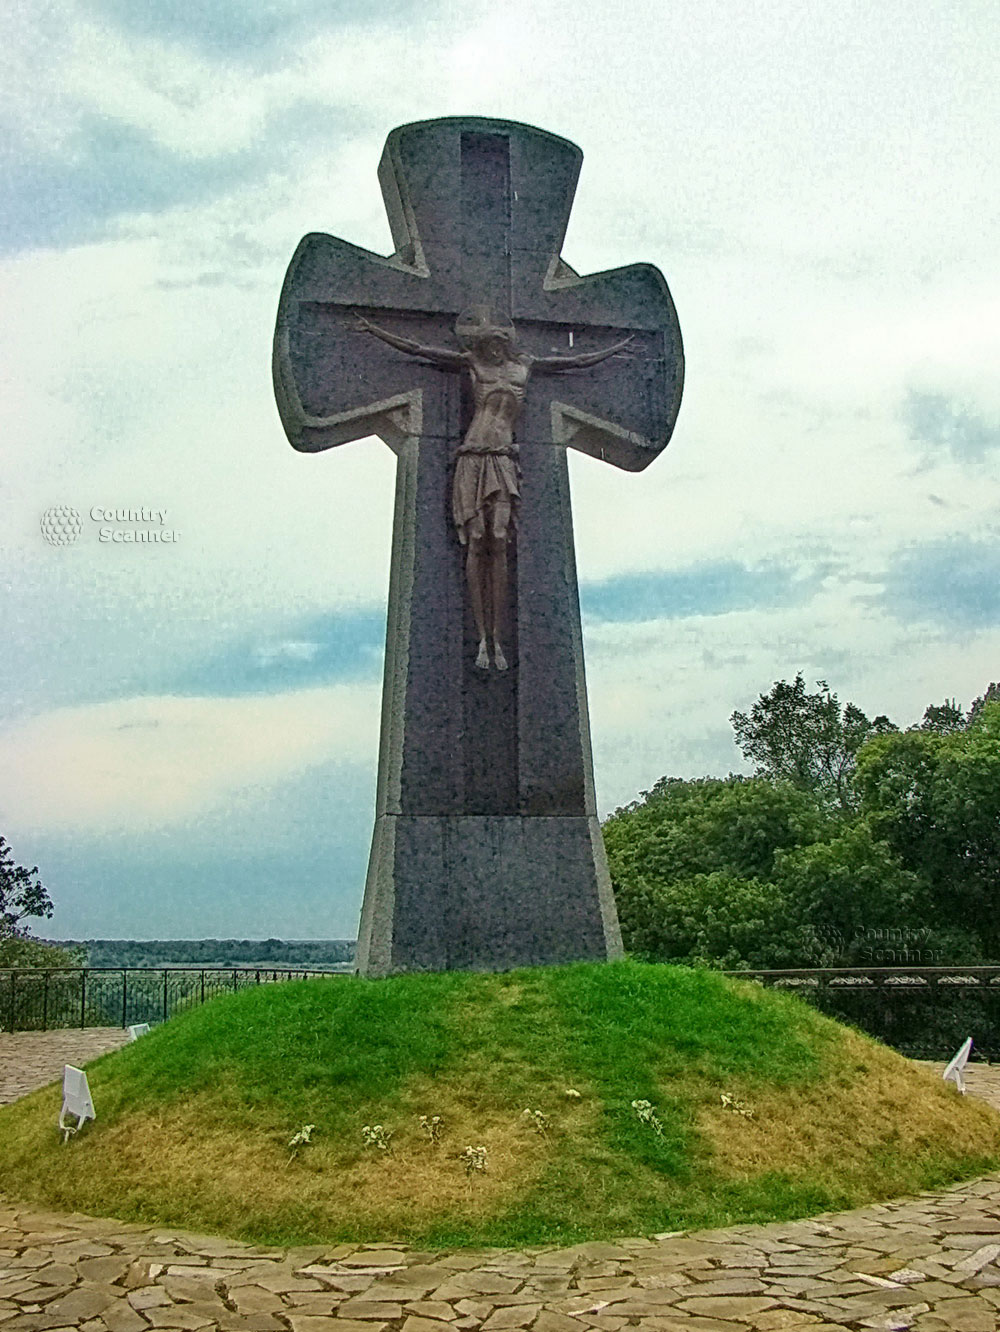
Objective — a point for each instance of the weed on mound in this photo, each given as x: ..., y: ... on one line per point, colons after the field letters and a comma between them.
x: 539, y: 1106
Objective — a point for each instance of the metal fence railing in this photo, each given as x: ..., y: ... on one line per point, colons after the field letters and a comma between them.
x: 38, y: 998
x: 923, y: 1012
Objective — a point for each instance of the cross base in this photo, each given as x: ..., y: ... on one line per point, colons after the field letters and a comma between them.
x: 510, y: 891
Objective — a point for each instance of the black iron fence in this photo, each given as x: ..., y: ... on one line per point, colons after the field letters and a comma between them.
x: 37, y: 998
x: 923, y: 1012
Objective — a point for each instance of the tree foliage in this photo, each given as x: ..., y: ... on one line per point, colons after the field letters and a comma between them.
x: 946, y: 718
x: 736, y: 824
x: 942, y: 718
x: 807, y: 739
x: 696, y: 865
x: 23, y: 951
x: 752, y: 873
x: 850, y: 888
x: 716, y: 920
x: 21, y: 894
x: 992, y: 695
x: 309, y: 954
x: 854, y: 844
x: 934, y: 797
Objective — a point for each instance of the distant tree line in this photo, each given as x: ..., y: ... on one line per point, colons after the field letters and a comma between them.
x: 23, y: 897
x: 853, y: 842
x: 309, y: 954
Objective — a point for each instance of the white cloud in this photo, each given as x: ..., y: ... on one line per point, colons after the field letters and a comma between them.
x: 269, y: 653
x: 149, y: 763
x: 661, y: 693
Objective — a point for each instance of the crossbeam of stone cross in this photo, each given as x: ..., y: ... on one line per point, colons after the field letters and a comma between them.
x: 487, y: 851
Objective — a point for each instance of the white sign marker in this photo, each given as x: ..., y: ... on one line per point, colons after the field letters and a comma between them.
x: 954, y: 1069
x: 139, y: 1029
x: 76, y: 1100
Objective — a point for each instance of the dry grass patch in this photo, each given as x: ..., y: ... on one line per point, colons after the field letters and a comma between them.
x: 874, y: 1105
x: 176, y: 1156
x: 186, y: 1163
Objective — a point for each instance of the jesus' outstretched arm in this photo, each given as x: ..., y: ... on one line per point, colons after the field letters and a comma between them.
x: 452, y: 360
x: 555, y: 363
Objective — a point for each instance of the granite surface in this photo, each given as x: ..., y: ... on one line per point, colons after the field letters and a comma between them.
x: 478, y: 210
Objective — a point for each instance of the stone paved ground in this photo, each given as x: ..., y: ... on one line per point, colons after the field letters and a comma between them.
x: 930, y: 1263
x: 30, y: 1059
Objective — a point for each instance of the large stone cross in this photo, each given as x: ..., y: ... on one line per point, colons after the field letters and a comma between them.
x: 487, y: 851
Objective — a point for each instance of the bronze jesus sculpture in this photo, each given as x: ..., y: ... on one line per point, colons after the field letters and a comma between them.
x: 485, y: 490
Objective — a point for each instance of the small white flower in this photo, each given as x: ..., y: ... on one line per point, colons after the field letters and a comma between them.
x: 740, y: 1107
x: 376, y: 1136
x: 431, y: 1126
x: 645, y: 1111
x: 474, y: 1159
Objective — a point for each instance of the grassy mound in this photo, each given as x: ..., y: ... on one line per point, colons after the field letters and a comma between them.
x: 195, y: 1119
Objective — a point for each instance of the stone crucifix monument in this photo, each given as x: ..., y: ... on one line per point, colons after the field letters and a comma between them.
x: 480, y: 356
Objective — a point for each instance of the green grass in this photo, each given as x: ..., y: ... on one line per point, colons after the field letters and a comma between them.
x: 194, y: 1119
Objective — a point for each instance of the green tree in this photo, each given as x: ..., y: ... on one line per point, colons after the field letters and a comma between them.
x: 856, y: 843
x: 807, y: 739
x: 22, y: 950
x: 753, y: 873
x: 854, y: 891
x: 943, y: 718
x: 947, y: 717
x: 935, y: 799
x: 693, y: 868
x: 734, y: 824
x: 22, y: 895
x: 992, y: 695
x: 716, y: 920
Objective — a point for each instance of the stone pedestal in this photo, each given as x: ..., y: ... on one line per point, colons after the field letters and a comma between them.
x: 507, y: 892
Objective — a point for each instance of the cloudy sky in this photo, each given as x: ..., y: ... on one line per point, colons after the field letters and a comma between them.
x: 188, y: 729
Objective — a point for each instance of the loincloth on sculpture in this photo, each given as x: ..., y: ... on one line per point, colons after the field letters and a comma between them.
x: 483, y: 481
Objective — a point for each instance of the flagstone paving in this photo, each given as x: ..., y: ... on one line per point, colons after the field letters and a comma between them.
x: 930, y: 1263
x: 30, y: 1059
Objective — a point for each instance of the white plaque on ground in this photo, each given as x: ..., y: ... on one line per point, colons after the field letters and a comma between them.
x: 957, y: 1065
x: 76, y: 1100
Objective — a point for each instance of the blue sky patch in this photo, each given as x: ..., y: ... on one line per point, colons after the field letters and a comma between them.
x: 954, y: 582
x: 111, y: 169
x: 251, y: 31
x: 294, y: 857
x: 337, y: 647
x: 706, y: 589
x: 944, y: 425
